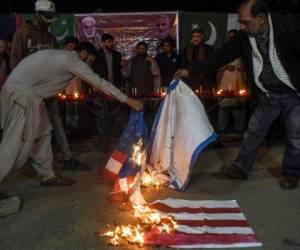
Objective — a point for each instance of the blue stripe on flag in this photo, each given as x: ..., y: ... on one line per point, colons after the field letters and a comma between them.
x: 172, y: 86
x: 129, y: 169
x: 195, y: 154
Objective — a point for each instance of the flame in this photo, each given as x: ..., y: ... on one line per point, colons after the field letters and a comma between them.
x: 148, y: 216
x: 163, y: 93
x: 148, y: 219
x: 76, y: 95
x: 61, y: 96
x: 219, y: 92
x: 137, y: 153
x: 149, y: 180
x: 242, y: 92
x: 123, y: 234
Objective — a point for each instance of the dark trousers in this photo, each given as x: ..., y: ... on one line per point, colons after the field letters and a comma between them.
x: 285, y: 104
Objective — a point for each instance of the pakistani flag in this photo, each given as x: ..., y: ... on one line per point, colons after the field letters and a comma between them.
x: 62, y: 26
x: 213, y: 24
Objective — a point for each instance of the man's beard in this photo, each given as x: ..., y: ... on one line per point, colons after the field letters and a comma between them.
x: 110, y: 48
x: 90, y: 36
x: 43, y: 24
x: 142, y: 54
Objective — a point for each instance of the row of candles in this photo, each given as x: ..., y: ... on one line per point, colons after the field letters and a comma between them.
x: 160, y: 93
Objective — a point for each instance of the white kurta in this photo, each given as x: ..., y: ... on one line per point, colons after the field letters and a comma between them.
x: 24, y: 119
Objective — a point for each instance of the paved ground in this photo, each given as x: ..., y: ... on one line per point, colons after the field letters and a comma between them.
x: 72, y: 217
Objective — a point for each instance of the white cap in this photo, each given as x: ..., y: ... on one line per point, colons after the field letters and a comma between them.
x: 44, y: 5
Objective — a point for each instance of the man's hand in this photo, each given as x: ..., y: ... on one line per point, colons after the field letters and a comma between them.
x: 135, y: 104
x: 181, y: 74
x: 230, y: 68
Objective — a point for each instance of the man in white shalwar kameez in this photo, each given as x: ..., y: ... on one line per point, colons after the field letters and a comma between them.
x: 24, y: 120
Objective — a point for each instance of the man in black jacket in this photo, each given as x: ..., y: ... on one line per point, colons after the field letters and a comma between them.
x: 109, y: 61
x: 196, y: 51
x: 168, y: 61
x: 270, y: 49
x: 108, y: 65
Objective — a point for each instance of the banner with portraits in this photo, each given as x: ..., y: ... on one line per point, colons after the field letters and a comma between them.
x: 128, y: 29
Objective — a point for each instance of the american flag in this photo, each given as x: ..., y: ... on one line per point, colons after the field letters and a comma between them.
x: 120, y: 169
x: 203, y: 224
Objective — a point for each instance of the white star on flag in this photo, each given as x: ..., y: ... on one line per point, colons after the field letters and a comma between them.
x: 195, y: 26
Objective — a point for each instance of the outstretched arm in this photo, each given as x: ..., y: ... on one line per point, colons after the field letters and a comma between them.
x: 229, y: 52
x: 83, y: 71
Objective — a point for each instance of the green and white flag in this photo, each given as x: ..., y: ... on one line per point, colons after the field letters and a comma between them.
x: 213, y: 24
x: 62, y: 26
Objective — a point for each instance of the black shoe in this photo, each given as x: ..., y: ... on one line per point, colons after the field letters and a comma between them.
x: 74, y: 165
x: 289, y: 182
x: 231, y: 172
x: 3, y: 195
x: 57, y: 181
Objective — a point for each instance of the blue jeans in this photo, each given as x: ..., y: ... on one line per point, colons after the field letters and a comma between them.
x: 285, y: 104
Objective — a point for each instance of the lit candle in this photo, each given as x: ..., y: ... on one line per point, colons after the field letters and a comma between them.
x: 242, y: 92
x: 76, y: 95
x: 219, y: 92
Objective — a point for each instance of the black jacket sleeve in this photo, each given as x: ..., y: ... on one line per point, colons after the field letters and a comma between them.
x: 230, y: 51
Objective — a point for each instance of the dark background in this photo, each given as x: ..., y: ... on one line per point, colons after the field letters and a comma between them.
x: 89, y: 6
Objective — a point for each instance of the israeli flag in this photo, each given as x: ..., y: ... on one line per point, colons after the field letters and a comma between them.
x: 180, y: 132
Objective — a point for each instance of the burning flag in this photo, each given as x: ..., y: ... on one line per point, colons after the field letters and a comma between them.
x: 148, y: 220
x: 203, y: 224
x: 187, y: 224
x: 180, y: 132
x: 125, y: 164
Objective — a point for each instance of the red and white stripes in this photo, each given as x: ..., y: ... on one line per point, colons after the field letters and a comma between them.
x: 203, y: 224
x: 114, y: 165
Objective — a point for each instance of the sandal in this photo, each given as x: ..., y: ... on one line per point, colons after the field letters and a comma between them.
x: 57, y: 182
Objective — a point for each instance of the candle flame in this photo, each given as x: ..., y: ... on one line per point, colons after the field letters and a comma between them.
x: 242, y: 92
x: 76, y: 95
x: 219, y: 92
